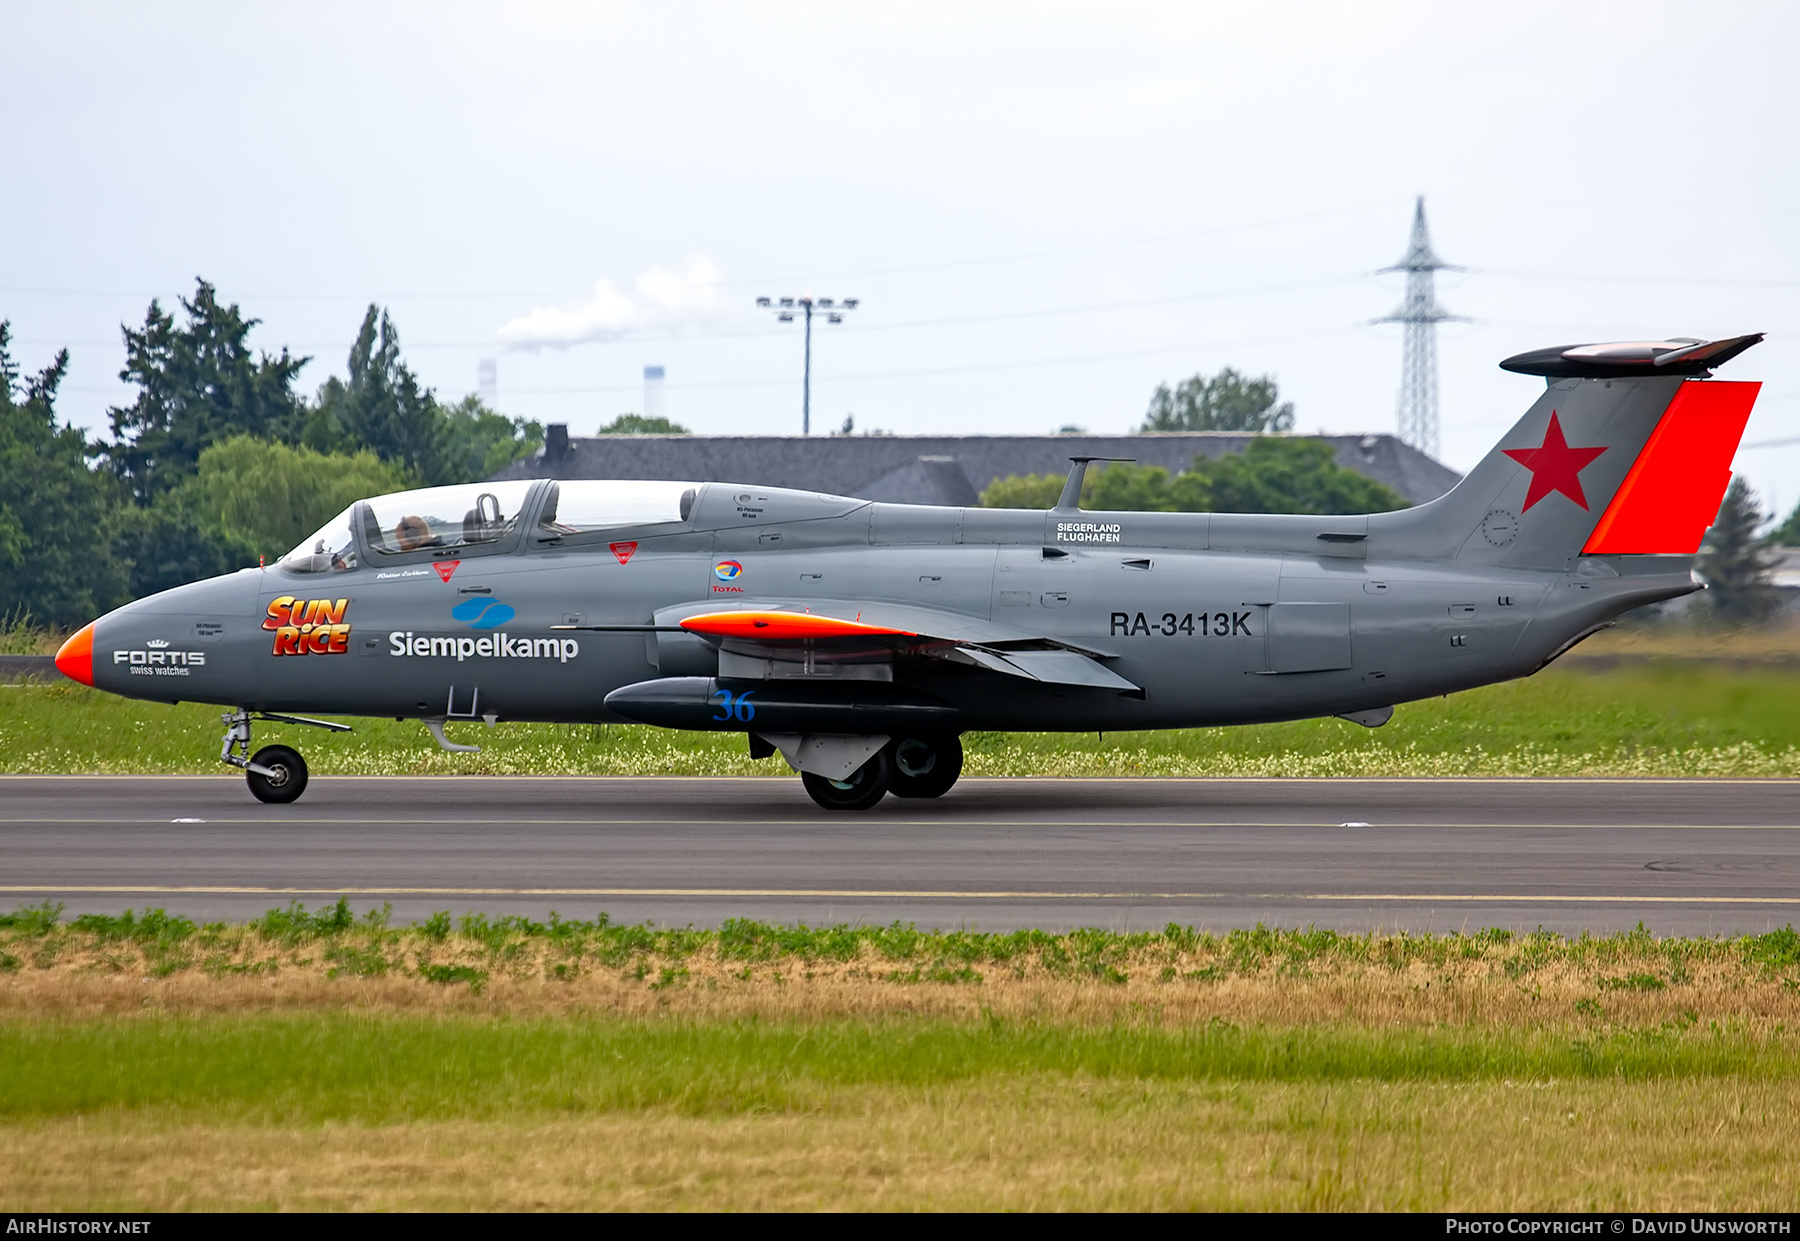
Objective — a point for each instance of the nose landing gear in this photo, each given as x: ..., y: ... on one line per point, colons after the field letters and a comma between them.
x: 275, y: 773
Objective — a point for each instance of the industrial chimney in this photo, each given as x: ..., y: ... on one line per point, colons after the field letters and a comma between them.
x: 487, y: 382
x: 653, y: 392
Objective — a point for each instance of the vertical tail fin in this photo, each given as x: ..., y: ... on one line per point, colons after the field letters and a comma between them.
x: 1620, y: 456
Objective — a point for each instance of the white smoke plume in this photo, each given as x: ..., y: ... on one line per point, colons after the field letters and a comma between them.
x: 661, y: 300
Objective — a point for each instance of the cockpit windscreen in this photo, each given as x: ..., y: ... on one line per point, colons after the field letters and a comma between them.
x: 330, y: 549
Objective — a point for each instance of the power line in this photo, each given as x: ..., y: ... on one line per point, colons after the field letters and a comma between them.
x: 1002, y: 316
x: 928, y: 372
x: 939, y: 265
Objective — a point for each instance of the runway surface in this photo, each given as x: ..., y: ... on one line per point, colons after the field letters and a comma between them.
x: 1688, y: 857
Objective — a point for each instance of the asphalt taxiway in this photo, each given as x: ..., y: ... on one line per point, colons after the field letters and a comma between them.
x: 1687, y: 857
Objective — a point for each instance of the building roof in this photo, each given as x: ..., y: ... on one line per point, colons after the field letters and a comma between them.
x: 931, y: 469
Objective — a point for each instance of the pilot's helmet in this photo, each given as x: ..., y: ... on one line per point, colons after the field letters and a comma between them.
x: 412, y: 533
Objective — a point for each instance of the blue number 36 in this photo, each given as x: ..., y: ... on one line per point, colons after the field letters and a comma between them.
x: 735, y: 707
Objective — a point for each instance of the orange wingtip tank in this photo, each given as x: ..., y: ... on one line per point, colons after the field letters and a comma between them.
x: 780, y: 626
x: 76, y: 658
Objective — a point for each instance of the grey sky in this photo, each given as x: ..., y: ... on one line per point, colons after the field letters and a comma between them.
x: 1046, y: 210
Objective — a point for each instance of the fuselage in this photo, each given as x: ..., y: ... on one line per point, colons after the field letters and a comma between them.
x: 1214, y: 618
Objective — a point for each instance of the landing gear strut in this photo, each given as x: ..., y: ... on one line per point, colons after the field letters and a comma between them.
x: 274, y: 773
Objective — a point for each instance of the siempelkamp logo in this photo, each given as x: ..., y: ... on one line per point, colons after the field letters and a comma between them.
x: 727, y: 570
x: 479, y: 613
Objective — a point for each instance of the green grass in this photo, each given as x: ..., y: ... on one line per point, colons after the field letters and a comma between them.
x: 296, y: 937
x: 1655, y: 719
x: 382, y: 1069
x: 326, y: 1058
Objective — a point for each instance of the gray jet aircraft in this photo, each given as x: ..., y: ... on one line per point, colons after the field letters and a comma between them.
x: 859, y: 639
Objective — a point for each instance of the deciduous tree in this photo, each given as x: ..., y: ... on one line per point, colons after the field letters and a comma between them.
x: 270, y: 496
x: 480, y: 442
x: 1276, y: 474
x: 638, y: 424
x: 1227, y: 401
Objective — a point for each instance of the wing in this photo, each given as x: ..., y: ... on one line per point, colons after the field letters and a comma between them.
x: 844, y: 638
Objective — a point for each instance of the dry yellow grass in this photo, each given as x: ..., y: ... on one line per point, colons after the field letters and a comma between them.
x: 1779, y: 642
x: 1029, y: 1143
x: 1378, y: 982
x: 1015, y: 1137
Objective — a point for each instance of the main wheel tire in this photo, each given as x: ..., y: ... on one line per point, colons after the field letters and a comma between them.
x: 289, y: 780
x: 926, y: 765
x: 867, y: 785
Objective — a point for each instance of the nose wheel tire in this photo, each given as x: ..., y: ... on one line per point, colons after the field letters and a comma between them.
x: 925, y: 766
x: 288, y: 780
x: 864, y: 787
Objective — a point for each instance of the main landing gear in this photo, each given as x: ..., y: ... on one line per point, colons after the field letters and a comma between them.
x: 925, y: 765
x: 275, y: 773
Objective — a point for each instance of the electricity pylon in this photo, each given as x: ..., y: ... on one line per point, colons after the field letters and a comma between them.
x: 1421, y: 314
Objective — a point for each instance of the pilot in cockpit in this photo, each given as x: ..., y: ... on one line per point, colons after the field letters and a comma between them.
x: 412, y: 533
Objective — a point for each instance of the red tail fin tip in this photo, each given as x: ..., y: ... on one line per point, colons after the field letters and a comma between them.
x: 1673, y: 491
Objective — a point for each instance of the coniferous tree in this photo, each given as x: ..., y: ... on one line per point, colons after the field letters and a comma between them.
x: 198, y: 383
x: 1735, y: 563
x: 382, y: 407
x: 55, y: 511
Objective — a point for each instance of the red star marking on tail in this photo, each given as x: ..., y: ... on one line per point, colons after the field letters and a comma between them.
x: 1554, y: 466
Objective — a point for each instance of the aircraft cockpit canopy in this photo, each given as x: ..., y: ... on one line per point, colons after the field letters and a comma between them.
x: 410, y: 521
x: 441, y: 517
x: 476, y: 513
x: 330, y: 549
x: 578, y: 506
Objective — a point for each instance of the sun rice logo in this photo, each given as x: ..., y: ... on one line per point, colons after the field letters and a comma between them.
x: 480, y: 613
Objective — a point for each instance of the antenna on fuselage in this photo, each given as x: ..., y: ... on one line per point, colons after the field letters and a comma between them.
x: 1070, y: 500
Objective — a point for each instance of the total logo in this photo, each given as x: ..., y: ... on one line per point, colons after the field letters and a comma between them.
x: 727, y: 571
x: 309, y: 626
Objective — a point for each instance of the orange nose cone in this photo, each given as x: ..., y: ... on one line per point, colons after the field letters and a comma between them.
x: 76, y: 659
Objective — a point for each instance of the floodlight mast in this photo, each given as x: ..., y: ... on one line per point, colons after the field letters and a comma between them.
x: 785, y: 309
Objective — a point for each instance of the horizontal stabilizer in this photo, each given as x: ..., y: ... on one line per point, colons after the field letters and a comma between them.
x: 1683, y: 356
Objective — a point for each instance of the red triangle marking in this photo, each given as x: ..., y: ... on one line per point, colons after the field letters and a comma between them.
x: 445, y: 568
x: 623, y: 551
